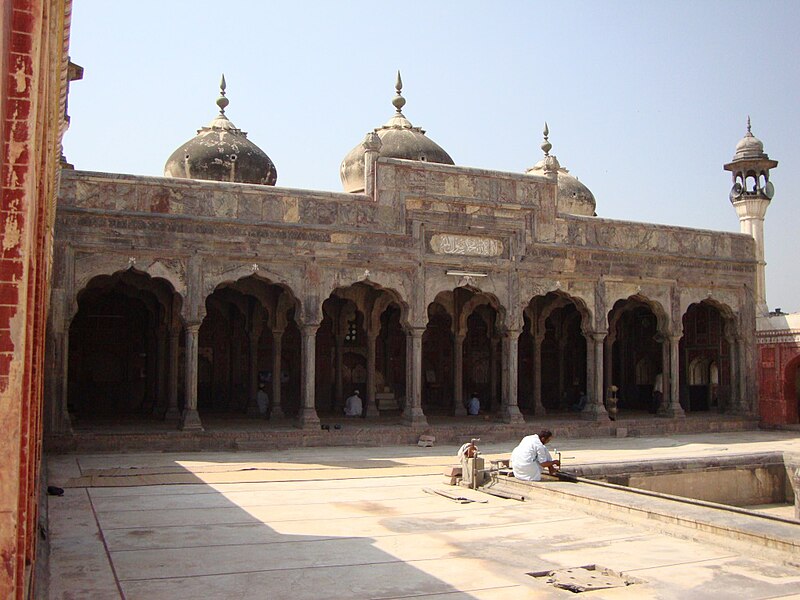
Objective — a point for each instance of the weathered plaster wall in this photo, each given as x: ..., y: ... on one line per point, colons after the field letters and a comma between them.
x: 424, y: 220
x: 33, y: 44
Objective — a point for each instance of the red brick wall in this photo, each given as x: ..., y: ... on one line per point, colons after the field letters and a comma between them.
x: 32, y: 38
x: 777, y: 362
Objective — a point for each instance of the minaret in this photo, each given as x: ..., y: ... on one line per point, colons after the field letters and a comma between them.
x: 750, y: 196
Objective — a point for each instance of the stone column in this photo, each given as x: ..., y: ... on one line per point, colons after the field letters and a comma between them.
x: 234, y: 368
x: 674, y: 409
x: 339, y: 383
x: 743, y: 406
x: 412, y: 414
x: 276, y: 410
x: 493, y: 373
x: 458, y: 375
x: 733, y: 357
x: 509, y: 408
x: 595, y: 409
x: 56, y: 381
x: 173, y: 415
x: 666, y: 380
x: 307, y: 418
x: 588, y: 387
x: 607, y: 367
x: 252, y: 387
x: 372, y: 145
x: 538, y: 407
x: 190, y: 419
x: 562, y: 343
x: 160, y: 403
x: 370, y: 410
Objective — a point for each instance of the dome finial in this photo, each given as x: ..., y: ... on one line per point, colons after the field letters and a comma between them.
x: 222, y: 101
x: 546, y: 145
x: 748, y: 126
x: 398, y: 101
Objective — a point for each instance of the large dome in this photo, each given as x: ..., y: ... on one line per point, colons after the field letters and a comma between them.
x: 221, y: 152
x: 399, y: 139
x: 574, y: 198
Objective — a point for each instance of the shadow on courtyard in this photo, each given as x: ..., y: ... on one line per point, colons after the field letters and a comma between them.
x: 179, y: 536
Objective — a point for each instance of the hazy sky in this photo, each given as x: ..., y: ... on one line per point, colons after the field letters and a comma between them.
x: 645, y: 100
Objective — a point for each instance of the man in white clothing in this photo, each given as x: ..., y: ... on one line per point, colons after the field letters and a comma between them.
x: 473, y: 405
x: 353, y: 406
x: 528, y: 458
x: 262, y: 399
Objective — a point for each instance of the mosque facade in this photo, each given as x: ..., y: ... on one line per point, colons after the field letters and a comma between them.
x: 421, y: 283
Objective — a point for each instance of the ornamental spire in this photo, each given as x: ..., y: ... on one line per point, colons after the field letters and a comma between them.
x: 398, y: 101
x: 546, y: 145
x: 222, y: 101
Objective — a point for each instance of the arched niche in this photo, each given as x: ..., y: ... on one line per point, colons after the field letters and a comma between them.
x: 708, y: 334
x: 638, y: 330
x: 118, y: 357
x: 360, y: 345
x: 553, y: 351
x: 246, y: 322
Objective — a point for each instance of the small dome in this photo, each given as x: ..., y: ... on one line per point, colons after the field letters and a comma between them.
x: 749, y: 146
x: 399, y: 139
x: 221, y: 152
x: 574, y: 198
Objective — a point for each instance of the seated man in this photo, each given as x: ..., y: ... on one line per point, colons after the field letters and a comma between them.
x: 528, y: 458
x: 581, y: 403
x: 473, y: 405
x: 262, y: 399
x: 353, y: 406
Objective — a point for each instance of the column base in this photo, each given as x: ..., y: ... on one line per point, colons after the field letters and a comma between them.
x: 190, y: 421
x: 672, y: 412
x: 63, y: 423
x: 539, y: 410
x: 511, y: 414
x: 415, y: 418
x: 307, y: 419
x: 460, y: 411
x: 371, y: 409
x: 172, y: 415
x: 594, y: 413
x: 276, y: 412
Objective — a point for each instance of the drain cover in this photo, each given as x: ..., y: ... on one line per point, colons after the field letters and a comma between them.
x: 585, y: 579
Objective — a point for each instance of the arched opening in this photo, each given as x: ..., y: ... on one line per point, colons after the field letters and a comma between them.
x: 636, y: 354
x: 552, y: 355
x: 437, y: 362
x: 119, y: 348
x: 791, y: 390
x: 361, y: 346
x: 461, y: 352
x: 249, y: 342
x: 481, y: 358
x: 705, y: 359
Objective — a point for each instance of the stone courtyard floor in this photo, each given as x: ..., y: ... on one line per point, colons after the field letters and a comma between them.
x: 352, y: 523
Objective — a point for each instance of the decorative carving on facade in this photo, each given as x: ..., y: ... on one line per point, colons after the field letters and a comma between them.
x: 465, y: 245
x: 467, y: 281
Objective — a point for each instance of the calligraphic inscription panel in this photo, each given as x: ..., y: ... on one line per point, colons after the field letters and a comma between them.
x: 465, y: 245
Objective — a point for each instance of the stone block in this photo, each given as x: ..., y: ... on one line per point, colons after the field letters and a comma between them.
x: 453, y: 471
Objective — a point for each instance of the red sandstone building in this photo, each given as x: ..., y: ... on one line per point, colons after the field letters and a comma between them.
x: 778, y: 339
